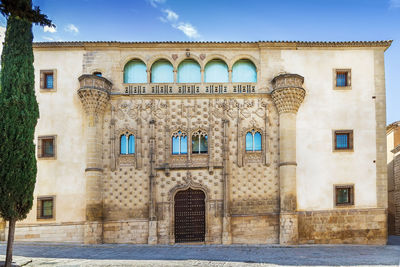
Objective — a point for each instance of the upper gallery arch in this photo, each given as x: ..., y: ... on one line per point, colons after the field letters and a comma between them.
x: 216, y: 70
x: 244, y: 70
x: 162, y: 71
x: 135, y: 71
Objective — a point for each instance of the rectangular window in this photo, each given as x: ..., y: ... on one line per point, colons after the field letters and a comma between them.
x: 343, y: 140
x: 47, y: 147
x: 45, y: 208
x: 48, y: 80
x: 342, y: 79
x: 344, y: 195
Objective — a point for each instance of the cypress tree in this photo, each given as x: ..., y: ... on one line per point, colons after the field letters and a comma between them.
x: 19, y: 113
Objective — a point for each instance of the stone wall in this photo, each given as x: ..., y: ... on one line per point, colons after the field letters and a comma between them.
x: 255, y: 229
x: 126, y: 231
x: 2, y: 230
x: 50, y: 232
x: 347, y: 226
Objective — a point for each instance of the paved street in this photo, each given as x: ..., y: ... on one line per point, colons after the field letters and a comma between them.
x: 30, y: 254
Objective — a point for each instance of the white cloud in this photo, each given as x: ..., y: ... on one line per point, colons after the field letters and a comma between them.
x: 395, y: 3
x: 154, y: 3
x: 170, y: 15
x: 72, y: 28
x: 48, y: 38
x: 49, y: 29
x: 188, y: 29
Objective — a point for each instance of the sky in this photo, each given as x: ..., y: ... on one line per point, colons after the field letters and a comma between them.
x: 231, y: 20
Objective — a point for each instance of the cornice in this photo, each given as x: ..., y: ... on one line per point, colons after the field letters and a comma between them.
x: 258, y: 44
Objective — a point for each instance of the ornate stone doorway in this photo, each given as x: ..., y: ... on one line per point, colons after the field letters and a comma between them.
x: 189, y: 216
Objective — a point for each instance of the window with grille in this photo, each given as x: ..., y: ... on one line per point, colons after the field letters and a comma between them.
x: 199, y: 142
x: 343, y: 140
x: 342, y: 79
x: 253, y: 140
x: 47, y: 147
x: 48, y: 80
x: 127, y: 144
x: 179, y: 143
x: 45, y: 208
x: 344, y: 195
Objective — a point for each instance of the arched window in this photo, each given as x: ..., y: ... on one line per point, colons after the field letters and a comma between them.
x: 244, y: 71
x: 162, y: 71
x: 135, y: 72
x: 216, y: 71
x: 127, y: 144
x: 189, y: 72
x: 199, y: 142
x: 179, y: 143
x: 97, y: 73
x: 253, y: 141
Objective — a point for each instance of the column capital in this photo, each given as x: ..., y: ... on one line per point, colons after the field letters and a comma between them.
x: 94, y: 93
x: 288, y: 92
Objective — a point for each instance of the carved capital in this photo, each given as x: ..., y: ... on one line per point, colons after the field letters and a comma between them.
x: 94, y: 95
x: 288, y: 93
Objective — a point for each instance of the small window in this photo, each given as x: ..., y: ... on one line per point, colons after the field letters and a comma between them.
x: 47, y: 80
x: 179, y: 143
x: 344, y: 195
x: 199, y: 142
x: 97, y: 73
x: 343, y: 140
x: 45, y: 208
x: 127, y: 144
x: 47, y: 147
x: 253, y: 141
x: 342, y: 79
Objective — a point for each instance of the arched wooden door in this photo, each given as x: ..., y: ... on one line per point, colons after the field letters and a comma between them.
x: 190, y: 223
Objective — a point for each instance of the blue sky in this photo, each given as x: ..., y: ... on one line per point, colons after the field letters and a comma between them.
x: 231, y: 20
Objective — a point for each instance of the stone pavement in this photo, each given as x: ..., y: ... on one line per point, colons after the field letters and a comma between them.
x: 45, y: 254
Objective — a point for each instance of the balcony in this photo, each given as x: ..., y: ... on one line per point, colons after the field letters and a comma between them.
x: 187, y: 89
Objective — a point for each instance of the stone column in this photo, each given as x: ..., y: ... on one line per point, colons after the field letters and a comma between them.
x: 94, y: 95
x: 288, y: 95
x: 226, y: 220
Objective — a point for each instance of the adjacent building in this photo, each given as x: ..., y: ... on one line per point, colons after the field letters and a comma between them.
x: 217, y: 143
x: 393, y: 161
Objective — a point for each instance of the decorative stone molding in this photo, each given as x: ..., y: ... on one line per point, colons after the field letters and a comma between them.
x: 94, y: 95
x: 288, y: 93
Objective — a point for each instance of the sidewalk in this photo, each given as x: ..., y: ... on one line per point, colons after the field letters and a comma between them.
x: 44, y: 254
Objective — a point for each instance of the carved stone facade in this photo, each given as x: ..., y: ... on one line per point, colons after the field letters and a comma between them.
x: 123, y: 175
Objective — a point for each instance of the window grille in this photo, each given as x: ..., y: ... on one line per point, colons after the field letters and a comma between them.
x: 344, y: 195
x: 341, y: 79
x: 45, y: 208
x: 343, y: 140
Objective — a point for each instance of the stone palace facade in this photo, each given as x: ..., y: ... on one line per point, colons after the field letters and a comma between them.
x: 207, y: 142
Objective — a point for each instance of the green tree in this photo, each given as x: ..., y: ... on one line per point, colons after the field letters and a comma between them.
x: 19, y: 113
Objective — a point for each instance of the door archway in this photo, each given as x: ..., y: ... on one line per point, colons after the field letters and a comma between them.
x: 189, y: 207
